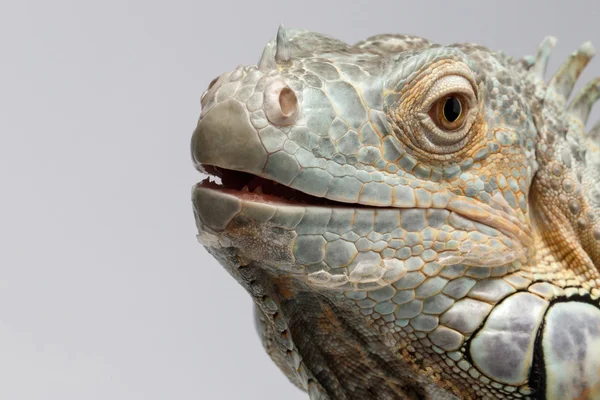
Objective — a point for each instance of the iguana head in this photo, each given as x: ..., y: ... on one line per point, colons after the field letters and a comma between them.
x: 427, y: 193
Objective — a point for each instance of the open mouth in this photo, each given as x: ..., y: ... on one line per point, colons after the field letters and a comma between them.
x: 254, y: 188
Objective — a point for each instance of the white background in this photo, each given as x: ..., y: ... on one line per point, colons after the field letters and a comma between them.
x: 104, y: 291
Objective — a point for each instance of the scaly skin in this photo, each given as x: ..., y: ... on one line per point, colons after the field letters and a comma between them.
x: 450, y: 262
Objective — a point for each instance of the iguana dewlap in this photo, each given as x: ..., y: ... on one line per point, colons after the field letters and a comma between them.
x: 412, y: 220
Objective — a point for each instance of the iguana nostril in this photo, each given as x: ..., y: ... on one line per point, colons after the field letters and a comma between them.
x: 281, y: 103
x: 287, y: 101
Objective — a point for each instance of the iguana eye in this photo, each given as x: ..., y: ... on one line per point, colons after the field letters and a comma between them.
x: 449, y: 113
x: 449, y: 110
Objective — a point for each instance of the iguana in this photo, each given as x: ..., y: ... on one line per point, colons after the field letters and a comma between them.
x: 412, y: 220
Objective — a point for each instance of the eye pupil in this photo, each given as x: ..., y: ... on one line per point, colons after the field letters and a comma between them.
x: 452, y: 109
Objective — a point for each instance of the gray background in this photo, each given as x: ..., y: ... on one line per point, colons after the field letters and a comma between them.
x: 104, y: 291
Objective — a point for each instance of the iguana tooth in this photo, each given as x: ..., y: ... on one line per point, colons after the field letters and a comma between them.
x: 582, y: 104
x: 283, y: 52
x: 564, y: 80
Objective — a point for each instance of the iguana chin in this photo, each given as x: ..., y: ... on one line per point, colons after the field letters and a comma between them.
x: 412, y: 220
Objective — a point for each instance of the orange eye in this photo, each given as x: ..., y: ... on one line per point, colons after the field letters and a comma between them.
x: 449, y: 113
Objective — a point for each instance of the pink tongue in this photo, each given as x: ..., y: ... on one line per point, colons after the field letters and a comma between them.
x: 257, y: 196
